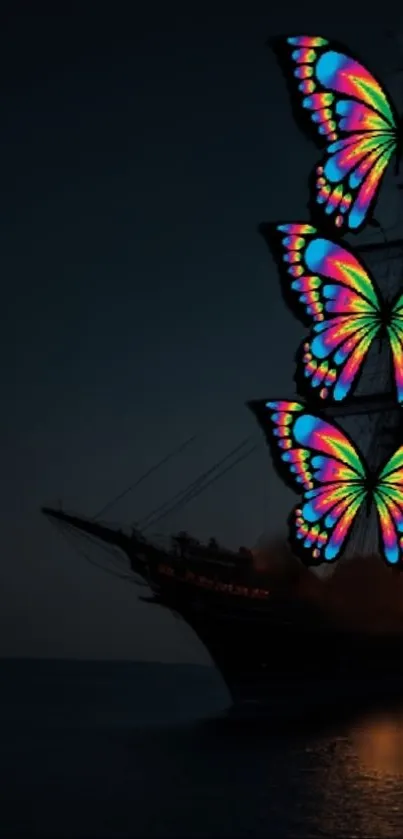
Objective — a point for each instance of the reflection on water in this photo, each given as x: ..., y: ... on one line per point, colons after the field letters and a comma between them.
x: 379, y: 746
x: 91, y: 734
x: 362, y: 785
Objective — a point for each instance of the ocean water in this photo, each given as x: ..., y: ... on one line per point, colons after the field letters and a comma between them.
x: 116, y: 750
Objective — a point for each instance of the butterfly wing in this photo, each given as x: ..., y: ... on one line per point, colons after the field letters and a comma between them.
x: 347, y: 109
x: 334, y: 295
x: 395, y: 334
x: 388, y: 497
x: 318, y: 460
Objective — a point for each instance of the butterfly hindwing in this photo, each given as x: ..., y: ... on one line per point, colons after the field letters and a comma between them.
x: 388, y: 498
x: 346, y: 109
x: 336, y: 297
x: 318, y: 460
x: 395, y: 335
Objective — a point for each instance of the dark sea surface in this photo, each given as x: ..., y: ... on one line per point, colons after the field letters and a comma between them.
x: 115, y: 749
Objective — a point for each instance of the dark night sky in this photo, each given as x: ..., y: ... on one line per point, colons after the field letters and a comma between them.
x: 138, y: 154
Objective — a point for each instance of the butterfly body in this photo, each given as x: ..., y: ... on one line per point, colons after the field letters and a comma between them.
x: 338, y: 299
x: 318, y: 460
x: 399, y: 146
x: 345, y: 108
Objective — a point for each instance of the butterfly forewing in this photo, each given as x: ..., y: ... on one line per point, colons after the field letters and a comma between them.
x: 333, y: 294
x: 347, y: 109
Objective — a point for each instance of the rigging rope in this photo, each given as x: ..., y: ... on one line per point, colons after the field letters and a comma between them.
x: 144, y: 522
x: 184, y: 501
x: 193, y: 492
x: 68, y: 530
x: 145, y: 475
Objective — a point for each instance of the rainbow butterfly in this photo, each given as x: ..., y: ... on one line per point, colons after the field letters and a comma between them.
x: 319, y: 460
x: 341, y: 103
x: 339, y: 300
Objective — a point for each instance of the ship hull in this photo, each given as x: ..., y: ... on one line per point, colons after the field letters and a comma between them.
x: 306, y: 679
x: 299, y: 666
